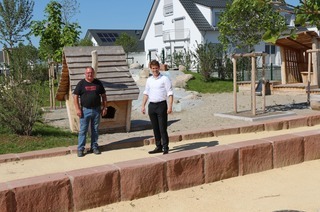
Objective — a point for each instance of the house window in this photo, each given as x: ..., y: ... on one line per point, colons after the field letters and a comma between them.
x: 167, y: 8
x: 179, y: 28
x: 158, y: 29
x: 270, y: 49
x: 216, y: 19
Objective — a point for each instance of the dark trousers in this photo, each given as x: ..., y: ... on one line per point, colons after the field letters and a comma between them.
x: 159, y: 120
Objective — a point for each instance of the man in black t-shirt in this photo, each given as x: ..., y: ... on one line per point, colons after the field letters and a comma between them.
x: 91, y: 92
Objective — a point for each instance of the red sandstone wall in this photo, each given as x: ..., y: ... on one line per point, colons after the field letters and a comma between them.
x: 96, y: 186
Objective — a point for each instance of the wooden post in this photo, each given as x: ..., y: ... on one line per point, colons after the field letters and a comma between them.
x: 283, y: 66
x: 234, y: 62
x: 94, y: 63
x: 51, y: 79
x: 311, y: 61
x: 315, y: 62
x: 50, y: 90
x: 128, y: 116
x: 263, y: 84
x: 253, y: 83
x: 53, y: 99
x: 309, y: 77
x: 253, y: 75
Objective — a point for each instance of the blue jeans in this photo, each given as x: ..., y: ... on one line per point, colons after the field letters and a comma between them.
x: 89, y: 115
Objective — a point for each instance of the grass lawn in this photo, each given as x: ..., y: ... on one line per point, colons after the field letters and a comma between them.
x: 44, y: 137
x: 213, y: 86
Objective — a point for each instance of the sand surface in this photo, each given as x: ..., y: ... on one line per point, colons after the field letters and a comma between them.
x: 289, y: 189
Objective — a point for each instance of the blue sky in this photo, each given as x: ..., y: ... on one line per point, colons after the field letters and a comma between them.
x: 103, y: 14
x: 107, y: 14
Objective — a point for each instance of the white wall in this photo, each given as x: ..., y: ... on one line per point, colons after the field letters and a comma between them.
x: 137, y: 57
x: 153, y: 43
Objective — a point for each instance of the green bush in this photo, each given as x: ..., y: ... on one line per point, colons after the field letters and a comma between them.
x: 20, y: 91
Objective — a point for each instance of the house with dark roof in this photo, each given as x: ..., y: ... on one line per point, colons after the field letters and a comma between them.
x: 107, y: 37
x: 178, y: 25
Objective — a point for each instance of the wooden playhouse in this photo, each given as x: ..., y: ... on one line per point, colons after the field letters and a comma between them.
x: 112, y: 69
x: 299, y: 56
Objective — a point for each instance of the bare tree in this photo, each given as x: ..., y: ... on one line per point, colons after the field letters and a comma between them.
x: 69, y: 9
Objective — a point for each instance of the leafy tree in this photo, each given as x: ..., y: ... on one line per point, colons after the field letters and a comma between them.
x: 245, y: 23
x: 15, y: 21
x: 129, y: 43
x: 54, y: 33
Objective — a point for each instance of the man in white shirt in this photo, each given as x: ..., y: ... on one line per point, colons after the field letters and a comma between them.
x: 158, y: 90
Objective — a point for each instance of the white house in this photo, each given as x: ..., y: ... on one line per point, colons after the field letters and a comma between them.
x: 175, y: 25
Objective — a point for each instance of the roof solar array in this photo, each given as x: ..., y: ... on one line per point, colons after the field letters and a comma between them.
x: 108, y: 37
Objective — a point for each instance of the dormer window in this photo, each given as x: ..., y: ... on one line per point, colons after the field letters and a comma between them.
x: 167, y: 8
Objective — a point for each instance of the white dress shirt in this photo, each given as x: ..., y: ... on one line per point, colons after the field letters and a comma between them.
x: 158, y: 88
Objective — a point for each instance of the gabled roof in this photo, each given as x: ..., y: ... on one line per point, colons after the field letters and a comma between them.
x: 212, y: 3
x: 112, y: 71
x: 192, y: 10
x: 107, y: 37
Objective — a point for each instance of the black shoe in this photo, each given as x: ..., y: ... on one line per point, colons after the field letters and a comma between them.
x: 156, y: 150
x: 80, y: 153
x: 96, y: 151
x: 165, y: 152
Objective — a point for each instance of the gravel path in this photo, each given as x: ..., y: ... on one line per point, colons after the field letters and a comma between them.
x: 192, y: 111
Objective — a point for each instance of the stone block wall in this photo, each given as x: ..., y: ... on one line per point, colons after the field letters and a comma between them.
x: 97, y: 186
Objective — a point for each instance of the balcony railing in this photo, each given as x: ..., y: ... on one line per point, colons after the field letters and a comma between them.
x: 176, y: 35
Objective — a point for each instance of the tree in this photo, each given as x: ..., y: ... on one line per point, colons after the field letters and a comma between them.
x: 129, y: 43
x: 84, y: 42
x: 20, y: 92
x: 15, y: 21
x: 54, y: 33
x: 245, y: 23
x: 69, y: 9
x: 206, y: 55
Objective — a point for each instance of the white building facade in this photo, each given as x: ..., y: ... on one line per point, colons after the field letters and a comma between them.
x: 178, y: 25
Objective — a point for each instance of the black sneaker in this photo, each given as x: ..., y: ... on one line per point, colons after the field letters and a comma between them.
x: 156, y: 150
x: 165, y: 152
x: 80, y: 153
x: 96, y: 151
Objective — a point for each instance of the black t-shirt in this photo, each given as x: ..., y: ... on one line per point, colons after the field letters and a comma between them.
x: 89, y: 93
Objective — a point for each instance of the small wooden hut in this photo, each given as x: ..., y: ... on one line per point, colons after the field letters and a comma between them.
x: 294, y: 57
x: 112, y: 69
